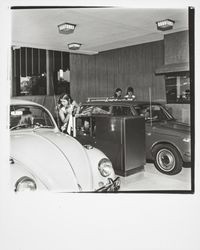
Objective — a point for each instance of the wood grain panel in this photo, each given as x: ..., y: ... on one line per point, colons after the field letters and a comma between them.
x: 111, y: 76
x: 16, y: 63
x: 35, y: 61
x: 65, y: 57
x: 84, y: 75
x: 29, y: 61
x: 42, y: 66
x: 91, y: 76
x: 57, y: 60
x: 130, y: 66
x: 101, y: 75
x: 158, y: 87
x: 23, y: 61
x: 177, y: 47
x: 77, y: 88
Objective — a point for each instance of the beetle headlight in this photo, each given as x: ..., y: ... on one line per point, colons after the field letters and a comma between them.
x: 187, y: 139
x: 105, y: 167
x: 25, y: 184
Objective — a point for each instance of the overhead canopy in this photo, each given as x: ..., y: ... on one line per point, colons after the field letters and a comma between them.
x: 171, y: 68
x: 97, y: 29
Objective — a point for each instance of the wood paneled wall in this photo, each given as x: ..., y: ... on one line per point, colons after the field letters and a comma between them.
x: 101, y: 74
x: 176, y: 47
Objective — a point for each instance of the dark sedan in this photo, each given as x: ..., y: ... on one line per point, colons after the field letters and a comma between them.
x: 168, y: 142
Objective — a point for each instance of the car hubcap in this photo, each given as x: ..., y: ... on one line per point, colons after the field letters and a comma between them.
x: 165, y: 159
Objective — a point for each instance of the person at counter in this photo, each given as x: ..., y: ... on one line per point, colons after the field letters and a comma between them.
x: 117, y: 93
x: 130, y: 94
x: 67, y: 108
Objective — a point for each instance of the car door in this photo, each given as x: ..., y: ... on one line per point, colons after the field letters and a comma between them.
x: 149, y: 113
x: 154, y: 117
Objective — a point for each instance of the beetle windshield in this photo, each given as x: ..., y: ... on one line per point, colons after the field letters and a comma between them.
x: 154, y: 112
x: 29, y: 116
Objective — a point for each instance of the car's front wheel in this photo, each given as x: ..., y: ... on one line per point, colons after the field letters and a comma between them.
x: 167, y: 159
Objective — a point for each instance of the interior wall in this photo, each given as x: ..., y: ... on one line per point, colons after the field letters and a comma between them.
x: 180, y: 111
x: 101, y: 74
x: 176, y: 47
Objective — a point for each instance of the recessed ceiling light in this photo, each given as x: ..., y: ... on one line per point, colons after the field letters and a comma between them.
x: 166, y: 24
x: 74, y: 46
x: 66, y: 28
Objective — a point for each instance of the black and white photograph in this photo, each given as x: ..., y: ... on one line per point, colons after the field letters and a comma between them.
x: 99, y: 125
x: 104, y: 97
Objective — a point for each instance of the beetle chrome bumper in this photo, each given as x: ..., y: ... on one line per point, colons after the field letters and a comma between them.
x: 111, y: 186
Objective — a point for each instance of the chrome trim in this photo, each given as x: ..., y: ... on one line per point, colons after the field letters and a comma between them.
x: 111, y: 186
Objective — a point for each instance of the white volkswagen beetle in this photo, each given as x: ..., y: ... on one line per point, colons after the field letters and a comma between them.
x: 43, y: 158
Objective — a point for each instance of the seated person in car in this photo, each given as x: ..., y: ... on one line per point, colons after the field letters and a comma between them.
x: 26, y: 118
x: 147, y: 114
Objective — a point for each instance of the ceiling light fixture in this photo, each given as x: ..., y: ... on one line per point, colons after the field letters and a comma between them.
x: 166, y: 24
x: 74, y: 46
x: 66, y: 28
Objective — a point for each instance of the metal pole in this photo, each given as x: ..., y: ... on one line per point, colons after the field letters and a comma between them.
x: 150, y: 105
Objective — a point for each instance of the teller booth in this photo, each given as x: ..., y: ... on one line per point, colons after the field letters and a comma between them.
x: 122, y: 139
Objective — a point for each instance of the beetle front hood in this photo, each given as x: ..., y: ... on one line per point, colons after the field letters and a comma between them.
x: 58, y: 160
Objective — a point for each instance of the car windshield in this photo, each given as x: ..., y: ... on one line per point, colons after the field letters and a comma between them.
x: 153, y: 112
x: 29, y: 116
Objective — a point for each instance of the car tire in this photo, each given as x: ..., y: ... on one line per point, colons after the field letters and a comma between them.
x: 167, y: 159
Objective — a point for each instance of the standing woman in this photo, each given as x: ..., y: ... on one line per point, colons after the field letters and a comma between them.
x: 67, y: 110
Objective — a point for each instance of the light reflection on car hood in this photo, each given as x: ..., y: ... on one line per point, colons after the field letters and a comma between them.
x: 53, y: 157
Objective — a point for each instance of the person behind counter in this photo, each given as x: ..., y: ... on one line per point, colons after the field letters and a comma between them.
x: 67, y: 108
x: 130, y: 94
x: 118, y: 93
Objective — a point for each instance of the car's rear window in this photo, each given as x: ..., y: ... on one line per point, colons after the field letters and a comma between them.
x: 115, y: 110
x: 87, y: 110
x: 106, y: 110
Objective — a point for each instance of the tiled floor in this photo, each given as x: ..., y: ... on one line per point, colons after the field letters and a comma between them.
x: 151, y: 179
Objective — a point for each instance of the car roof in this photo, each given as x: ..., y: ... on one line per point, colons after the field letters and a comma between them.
x: 118, y: 102
x: 16, y: 101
